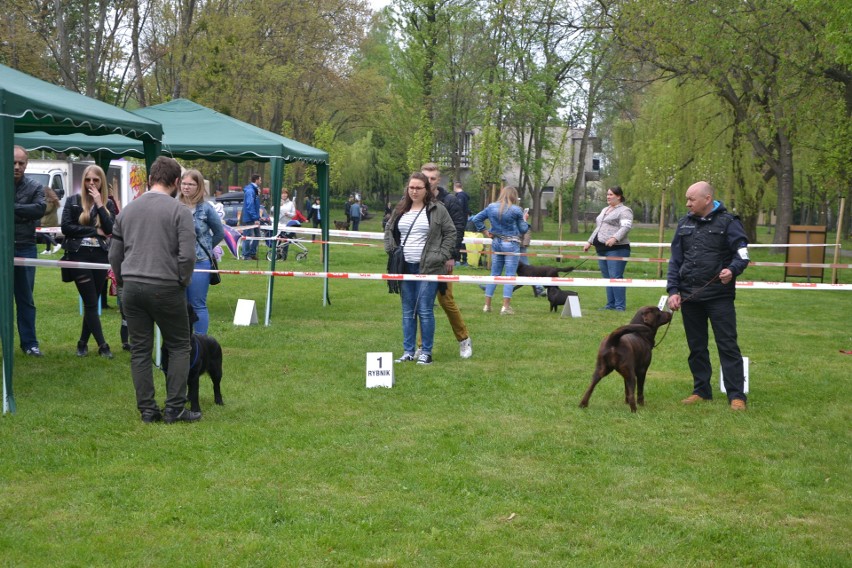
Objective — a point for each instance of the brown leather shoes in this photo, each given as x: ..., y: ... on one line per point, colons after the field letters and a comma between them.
x: 738, y: 404
x: 692, y: 399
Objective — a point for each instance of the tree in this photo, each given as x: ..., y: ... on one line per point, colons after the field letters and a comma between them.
x: 742, y: 50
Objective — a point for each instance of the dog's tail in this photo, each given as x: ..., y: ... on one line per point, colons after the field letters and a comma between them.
x: 565, y: 269
x: 633, y: 328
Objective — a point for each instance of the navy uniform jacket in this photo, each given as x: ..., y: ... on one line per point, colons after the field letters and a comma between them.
x: 702, y: 247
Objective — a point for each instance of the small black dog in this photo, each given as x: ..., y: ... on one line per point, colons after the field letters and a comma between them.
x: 205, y: 356
x: 558, y: 297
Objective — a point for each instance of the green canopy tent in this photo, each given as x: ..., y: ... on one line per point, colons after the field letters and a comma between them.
x: 192, y: 131
x: 28, y: 104
x: 185, y: 123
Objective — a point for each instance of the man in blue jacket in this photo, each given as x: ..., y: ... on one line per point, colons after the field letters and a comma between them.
x: 251, y: 216
x: 709, y: 251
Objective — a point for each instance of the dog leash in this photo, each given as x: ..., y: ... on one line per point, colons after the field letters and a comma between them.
x: 700, y: 289
x: 657, y: 344
x: 682, y: 301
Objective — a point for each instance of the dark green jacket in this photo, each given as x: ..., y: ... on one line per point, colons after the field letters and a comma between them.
x: 440, y: 241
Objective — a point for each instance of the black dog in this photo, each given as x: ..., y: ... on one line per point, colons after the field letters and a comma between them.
x: 205, y: 356
x: 558, y: 297
x: 541, y: 271
x: 341, y: 226
x: 628, y: 351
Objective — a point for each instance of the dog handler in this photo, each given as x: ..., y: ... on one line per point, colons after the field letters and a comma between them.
x: 153, y: 256
x: 709, y: 251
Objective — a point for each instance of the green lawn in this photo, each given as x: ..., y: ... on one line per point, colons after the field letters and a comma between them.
x: 485, y: 462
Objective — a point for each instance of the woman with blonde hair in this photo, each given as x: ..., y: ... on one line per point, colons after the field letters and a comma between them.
x: 208, y: 234
x: 87, y: 221
x: 508, y: 225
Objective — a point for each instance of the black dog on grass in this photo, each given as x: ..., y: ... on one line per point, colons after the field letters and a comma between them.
x: 205, y: 356
x: 541, y: 271
x: 557, y: 297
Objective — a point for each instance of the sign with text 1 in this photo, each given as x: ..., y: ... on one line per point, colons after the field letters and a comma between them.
x: 379, y: 370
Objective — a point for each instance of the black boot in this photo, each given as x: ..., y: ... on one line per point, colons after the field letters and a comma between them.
x: 104, y: 351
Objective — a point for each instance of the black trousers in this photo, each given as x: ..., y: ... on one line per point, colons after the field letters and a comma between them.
x: 723, y: 318
x: 146, y: 305
x: 90, y: 283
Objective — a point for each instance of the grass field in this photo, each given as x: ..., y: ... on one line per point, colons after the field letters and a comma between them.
x: 480, y: 462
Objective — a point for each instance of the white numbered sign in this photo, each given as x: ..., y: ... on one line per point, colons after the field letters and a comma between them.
x: 379, y: 370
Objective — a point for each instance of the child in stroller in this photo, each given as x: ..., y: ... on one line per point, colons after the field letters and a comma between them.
x: 284, y: 241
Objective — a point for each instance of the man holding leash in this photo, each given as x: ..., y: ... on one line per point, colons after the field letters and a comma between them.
x: 153, y: 255
x: 709, y: 250
x: 445, y: 298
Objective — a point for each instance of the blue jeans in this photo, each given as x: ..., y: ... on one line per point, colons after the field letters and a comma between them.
x: 499, y: 262
x: 23, y: 285
x: 616, y: 296
x: 356, y: 222
x: 250, y: 247
x: 196, y: 295
x: 418, y: 302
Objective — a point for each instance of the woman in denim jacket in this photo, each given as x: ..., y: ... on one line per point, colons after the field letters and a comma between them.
x: 508, y: 225
x: 208, y: 234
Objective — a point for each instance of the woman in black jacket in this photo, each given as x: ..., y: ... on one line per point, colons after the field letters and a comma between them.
x: 87, y: 224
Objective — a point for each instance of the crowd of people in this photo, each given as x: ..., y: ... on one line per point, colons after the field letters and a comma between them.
x: 157, y: 242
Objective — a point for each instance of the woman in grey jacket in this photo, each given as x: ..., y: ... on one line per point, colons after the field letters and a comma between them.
x: 610, y: 239
x: 421, y: 225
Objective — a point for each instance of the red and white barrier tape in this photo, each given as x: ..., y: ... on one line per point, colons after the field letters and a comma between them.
x: 571, y: 256
x: 464, y: 279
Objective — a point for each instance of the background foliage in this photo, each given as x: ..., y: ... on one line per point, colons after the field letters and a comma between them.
x: 755, y: 96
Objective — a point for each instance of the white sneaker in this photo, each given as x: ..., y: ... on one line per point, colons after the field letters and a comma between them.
x: 56, y: 249
x: 465, y: 348
x: 46, y: 252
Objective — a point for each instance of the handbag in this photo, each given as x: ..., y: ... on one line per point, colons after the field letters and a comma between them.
x: 215, y: 277
x: 396, y: 259
x: 67, y: 273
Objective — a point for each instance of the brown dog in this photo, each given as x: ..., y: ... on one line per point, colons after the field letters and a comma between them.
x: 628, y: 351
x: 341, y: 225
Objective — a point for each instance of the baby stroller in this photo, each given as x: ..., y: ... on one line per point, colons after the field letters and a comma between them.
x: 284, y: 242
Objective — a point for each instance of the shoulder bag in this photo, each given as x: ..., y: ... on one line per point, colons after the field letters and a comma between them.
x: 396, y: 258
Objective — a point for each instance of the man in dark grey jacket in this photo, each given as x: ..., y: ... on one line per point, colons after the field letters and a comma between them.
x: 153, y: 256
x: 29, y: 209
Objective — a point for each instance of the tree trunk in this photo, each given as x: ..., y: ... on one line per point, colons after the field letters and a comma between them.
x: 784, y: 179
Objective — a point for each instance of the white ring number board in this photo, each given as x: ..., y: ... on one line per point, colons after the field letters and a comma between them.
x: 379, y: 370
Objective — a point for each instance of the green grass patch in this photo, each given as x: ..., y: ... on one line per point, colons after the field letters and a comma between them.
x: 484, y: 462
